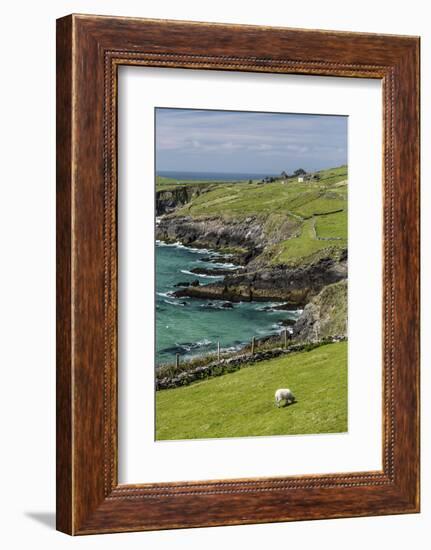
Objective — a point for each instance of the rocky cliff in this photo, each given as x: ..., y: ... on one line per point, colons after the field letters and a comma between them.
x: 294, y: 285
x: 167, y: 200
x: 325, y: 316
x: 246, y: 238
x: 250, y: 241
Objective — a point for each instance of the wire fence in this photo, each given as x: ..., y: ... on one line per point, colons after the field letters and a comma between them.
x: 256, y: 344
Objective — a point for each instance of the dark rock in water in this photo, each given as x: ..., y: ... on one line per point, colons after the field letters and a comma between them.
x: 227, y: 305
x: 281, y: 307
x: 284, y: 307
x: 287, y: 322
x: 210, y: 259
x: 195, y: 283
x: 183, y: 303
x: 212, y: 271
x: 182, y: 283
x: 207, y: 307
x: 292, y: 285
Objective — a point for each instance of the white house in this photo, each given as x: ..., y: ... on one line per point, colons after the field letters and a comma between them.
x: 309, y: 177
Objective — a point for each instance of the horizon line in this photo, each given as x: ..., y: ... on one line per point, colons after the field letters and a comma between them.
x: 242, y: 172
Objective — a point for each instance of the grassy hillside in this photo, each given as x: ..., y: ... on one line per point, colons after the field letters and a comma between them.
x: 168, y: 184
x: 305, y: 245
x: 332, y: 225
x: 242, y: 403
x: 301, y: 219
x: 243, y: 199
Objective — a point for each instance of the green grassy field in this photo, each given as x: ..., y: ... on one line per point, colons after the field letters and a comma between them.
x: 242, y: 403
x: 299, y: 217
x: 332, y: 225
x: 242, y: 199
x: 305, y: 245
x: 168, y: 184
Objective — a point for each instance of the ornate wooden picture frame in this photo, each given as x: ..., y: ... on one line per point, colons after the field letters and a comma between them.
x: 89, y: 51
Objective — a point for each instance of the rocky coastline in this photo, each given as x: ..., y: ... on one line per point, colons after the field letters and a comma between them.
x: 244, y: 242
x: 168, y: 200
x: 296, y: 286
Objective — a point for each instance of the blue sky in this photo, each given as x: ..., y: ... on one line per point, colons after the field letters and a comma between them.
x: 235, y: 141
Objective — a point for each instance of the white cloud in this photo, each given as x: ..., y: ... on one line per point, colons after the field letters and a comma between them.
x: 181, y: 134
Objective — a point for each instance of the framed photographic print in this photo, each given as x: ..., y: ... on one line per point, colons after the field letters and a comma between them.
x: 237, y: 274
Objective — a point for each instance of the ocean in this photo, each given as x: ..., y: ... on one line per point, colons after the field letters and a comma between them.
x: 210, y: 176
x: 190, y: 326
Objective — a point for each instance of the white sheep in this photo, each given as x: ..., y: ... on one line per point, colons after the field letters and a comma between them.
x: 284, y: 394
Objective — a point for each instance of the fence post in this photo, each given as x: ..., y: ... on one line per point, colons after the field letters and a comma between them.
x: 252, y: 345
x: 177, y: 360
x: 285, y: 337
x: 218, y: 351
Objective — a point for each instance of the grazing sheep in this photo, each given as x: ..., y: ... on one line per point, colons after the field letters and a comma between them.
x: 284, y: 394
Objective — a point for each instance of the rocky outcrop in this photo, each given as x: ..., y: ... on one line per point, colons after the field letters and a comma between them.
x: 294, y: 285
x: 311, y: 284
x: 216, y: 232
x: 169, y: 200
x: 217, y: 271
x: 325, y: 316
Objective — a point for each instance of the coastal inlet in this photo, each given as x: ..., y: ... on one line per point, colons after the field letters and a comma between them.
x: 193, y: 326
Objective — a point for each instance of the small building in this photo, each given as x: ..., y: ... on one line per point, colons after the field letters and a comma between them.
x: 308, y: 177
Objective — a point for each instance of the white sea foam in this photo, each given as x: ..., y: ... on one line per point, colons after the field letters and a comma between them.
x: 263, y: 332
x: 174, y: 303
x: 222, y: 265
x: 204, y: 342
x: 189, y: 346
x: 274, y: 308
x: 267, y: 307
x: 171, y: 245
x: 186, y: 272
x: 164, y: 294
x: 179, y: 244
x: 215, y: 305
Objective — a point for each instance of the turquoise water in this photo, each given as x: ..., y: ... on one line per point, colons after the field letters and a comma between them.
x: 191, y: 326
